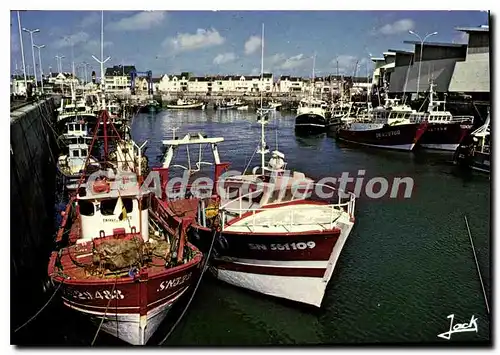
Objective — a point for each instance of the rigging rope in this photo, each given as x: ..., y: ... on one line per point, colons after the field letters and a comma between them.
x: 477, y: 266
x: 40, y: 310
x: 250, y: 161
x: 205, y: 267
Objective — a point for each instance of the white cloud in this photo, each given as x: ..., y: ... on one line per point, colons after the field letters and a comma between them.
x: 252, y: 44
x: 89, y: 20
x: 399, y: 26
x: 94, y: 47
x: 224, y: 58
x: 274, y: 59
x: 74, y: 39
x: 191, y: 41
x: 141, y: 21
x: 294, y: 62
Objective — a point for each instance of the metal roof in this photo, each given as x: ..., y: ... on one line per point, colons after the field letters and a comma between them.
x: 437, y: 44
x: 399, y: 51
x: 473, y: 29
x: 389, y: 53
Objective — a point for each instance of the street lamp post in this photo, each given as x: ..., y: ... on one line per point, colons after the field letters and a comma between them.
x: 33, y: 51
x: 40, y: 62
x: 421, y: 51
x: 22, y: 51
x: 59, y: 59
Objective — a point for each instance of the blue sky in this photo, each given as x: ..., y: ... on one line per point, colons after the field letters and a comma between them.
x: 228, y: 42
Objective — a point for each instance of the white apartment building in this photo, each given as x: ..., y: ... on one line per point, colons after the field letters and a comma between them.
x: 62, y: 79
x: 215, y: 84
x: 17, y: 86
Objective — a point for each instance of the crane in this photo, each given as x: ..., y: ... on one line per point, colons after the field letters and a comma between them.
x: 148, y: 74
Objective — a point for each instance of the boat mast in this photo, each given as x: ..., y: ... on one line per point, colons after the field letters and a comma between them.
x: 314, y: 64
x: 262, y: 114
x: 103, y: 101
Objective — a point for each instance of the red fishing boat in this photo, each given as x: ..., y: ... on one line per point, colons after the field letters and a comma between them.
x: 277, y: 236
x: 444, y: 131
x: 117, y: 260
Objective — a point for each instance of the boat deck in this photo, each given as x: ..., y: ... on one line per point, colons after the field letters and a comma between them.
x: 287, y: 219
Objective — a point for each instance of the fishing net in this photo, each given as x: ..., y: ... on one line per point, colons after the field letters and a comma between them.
x: 117, y: 254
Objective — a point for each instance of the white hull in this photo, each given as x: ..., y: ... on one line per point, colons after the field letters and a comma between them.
x: 447, y: 147
x: 242, y: 108
x: 131, y: 328
x: 308, y: 290
x: 190, y: 106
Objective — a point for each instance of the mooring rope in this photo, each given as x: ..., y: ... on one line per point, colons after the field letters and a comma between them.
x: 40, y: 310
x: 105, y: 312
x: 477, y: 266
x: 205, y: 267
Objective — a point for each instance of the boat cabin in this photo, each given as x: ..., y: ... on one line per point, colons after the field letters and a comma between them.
x: 246, y: 193
x: 113, y: 207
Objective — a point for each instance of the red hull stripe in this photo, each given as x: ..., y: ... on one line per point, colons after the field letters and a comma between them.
x: 270, y: 270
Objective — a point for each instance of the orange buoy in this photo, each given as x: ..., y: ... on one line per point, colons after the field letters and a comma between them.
x: 100, y: 186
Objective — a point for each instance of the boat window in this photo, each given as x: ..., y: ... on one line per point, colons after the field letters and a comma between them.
x: 128, y: 203
x: 84, y: 152
x: 86, y: 208
x: 108, y: 207
x: 71, y: 127
x: 76, y: 153
x: 145, y: 202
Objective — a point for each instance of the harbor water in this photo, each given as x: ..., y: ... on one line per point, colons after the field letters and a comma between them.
x: 407, y: 265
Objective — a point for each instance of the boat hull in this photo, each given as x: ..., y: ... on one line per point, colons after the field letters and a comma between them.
x: 397, y: 137
x: 310, y: 123
x: 282, y: 266
x: 198, y: 106
x: 129, y: 308
x: 444, y: 136
x: 149, y: 109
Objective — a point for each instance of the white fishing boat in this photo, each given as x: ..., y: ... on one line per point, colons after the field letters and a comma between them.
x: 187, y: 104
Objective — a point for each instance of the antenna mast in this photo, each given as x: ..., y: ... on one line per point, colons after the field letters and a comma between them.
x: 102, y: 61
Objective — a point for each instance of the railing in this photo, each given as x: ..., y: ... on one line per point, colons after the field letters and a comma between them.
x: 348, y: 207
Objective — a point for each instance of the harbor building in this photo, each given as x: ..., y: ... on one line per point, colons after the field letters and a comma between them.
x: 472, y: 76
x: 454, y: 68
x: 413, y: 71
x: 117, y: 79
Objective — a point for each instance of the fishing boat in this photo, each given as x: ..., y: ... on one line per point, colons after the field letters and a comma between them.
x: 276, y: 236
x: 279, y: 234
x: 274, y: 105
x: 312, y: 113
x: 242, y: 108
x: 311, y: 116
x: 152, y: 106
x: 183, y: 104
x: 444, y: 131
x: 383, y: 132
x: 474, y: 151
x: 72, y: 163
x: 231, y: 104
x: 118, y: 261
